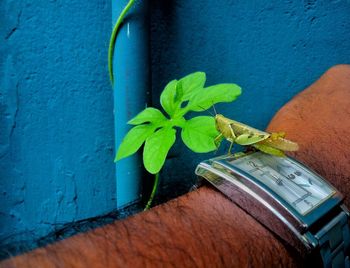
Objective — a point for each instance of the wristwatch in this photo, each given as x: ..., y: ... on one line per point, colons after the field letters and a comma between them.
x: 292, y: 201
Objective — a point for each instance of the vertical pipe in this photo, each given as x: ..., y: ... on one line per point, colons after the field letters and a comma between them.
x: 131, y: 88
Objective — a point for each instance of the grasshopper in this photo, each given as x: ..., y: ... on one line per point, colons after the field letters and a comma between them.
x: 236, y: 132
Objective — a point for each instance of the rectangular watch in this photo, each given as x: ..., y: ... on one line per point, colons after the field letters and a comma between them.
x: 289, y: 199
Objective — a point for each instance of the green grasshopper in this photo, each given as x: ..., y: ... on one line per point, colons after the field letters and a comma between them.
x: 236, y: 132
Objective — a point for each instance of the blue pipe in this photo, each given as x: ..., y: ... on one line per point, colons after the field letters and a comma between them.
x: 131, y: 88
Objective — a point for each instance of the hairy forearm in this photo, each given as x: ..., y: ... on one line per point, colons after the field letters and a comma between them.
x: 200, y: 229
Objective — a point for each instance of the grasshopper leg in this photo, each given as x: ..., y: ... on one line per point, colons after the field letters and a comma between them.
x: 229, y: 149
x: 232, y: 139
x: 217, y: 139
x: 217, y: 142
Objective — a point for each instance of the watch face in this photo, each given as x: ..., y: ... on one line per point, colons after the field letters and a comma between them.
x: 291, y: 181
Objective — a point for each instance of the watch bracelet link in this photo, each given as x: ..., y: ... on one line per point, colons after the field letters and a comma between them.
x: 334, y: 242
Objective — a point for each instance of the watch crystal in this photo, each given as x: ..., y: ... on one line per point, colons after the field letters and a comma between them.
x: 292, y: 182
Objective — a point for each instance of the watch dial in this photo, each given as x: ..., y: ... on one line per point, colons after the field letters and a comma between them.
x: 293, y: 182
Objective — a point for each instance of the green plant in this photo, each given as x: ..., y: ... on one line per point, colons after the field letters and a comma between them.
x: 158, y: 132
x: 179, y: 97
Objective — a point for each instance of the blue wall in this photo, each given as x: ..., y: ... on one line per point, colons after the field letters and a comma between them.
x: 273, y: 49
x: 56, y: 116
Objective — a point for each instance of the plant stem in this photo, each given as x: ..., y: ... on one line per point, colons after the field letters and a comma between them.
x: 113, y: 38
x: 154, y: 190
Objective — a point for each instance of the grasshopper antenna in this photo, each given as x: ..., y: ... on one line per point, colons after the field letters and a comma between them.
x: 204, y: 110
x: 214, y: 109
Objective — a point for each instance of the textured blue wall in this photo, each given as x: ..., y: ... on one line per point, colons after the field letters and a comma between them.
x: 56, y: 119
x: 56, y: 115
x: 273, y: 49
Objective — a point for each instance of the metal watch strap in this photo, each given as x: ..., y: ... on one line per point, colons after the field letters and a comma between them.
x: 334, y: 241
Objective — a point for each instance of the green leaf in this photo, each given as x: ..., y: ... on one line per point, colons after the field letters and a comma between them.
x: 133, y: 140
x: 248, y: 139
x: 179, y: 92
x: 204, y: 99
x: 167, y: 98
x: 192, y: 83
x: 156, y: 149
x: 199, y: 134
x: 149, y: 114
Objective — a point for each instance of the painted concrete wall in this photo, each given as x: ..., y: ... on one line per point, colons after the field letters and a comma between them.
x: 56, y: 111
x: 56, y: 115
x: 273, y: 49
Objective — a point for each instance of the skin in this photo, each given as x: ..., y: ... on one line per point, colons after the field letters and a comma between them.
x: 205, y: 229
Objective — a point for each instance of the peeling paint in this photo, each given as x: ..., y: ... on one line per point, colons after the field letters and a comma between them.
x: 9, y: 103
x: 14, y: 29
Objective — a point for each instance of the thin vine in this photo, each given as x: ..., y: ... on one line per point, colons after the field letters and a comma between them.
x: 154, y: 190
x: 114, y: 37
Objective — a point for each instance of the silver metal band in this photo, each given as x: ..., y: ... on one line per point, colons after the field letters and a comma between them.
x: 334, y: 241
